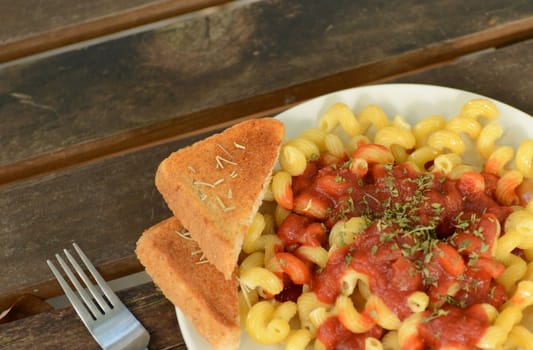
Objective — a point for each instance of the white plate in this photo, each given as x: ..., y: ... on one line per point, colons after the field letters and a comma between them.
x: 411, y: 101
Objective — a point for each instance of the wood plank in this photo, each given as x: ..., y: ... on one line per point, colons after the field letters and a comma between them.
x: 171, y: 81
x: 31, y: 26
x: 505, y: 75
x: 62, y: 329
x: 104, y: 207
x: 113, y: 200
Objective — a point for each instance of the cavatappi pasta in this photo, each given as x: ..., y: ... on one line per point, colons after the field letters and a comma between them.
x: 377, y: 235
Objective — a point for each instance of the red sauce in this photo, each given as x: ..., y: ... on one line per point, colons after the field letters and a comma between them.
x: 411, y: 213
x: 458, y: 328
x: 335, y: 336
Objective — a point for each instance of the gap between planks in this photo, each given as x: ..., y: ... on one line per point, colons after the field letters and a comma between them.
x: 267, y: 104
x: 102, y: 26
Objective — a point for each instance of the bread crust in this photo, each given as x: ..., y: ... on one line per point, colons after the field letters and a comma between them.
x: 216, y: 186
x: 207, y: 299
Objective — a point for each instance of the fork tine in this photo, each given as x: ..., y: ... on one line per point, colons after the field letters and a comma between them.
x: 87, y: 300
x: 94, y: 291
x: 111, y: 296
x: 85, y: 316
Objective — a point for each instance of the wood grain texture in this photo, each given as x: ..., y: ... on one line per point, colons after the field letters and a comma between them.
x: 48, y: 330
x: 104, y: 207
x: 113, y: 200
x: 504, y: 74
x: 215, y: 67
x: 32, y: 26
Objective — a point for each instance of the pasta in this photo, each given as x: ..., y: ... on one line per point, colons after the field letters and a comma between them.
x: 393, y: 135
x: 486, y: 142
x: 282, y: 190
x: 382, y: 236
x: 339, y: 113
x: 426, y: 126
x: 524, y: 158
x: 446, y: 139
x: 468, y: 126
x: 263, y: 326
x: 372, y: 115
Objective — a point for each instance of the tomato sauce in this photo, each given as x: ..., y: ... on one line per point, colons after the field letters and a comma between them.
x: 455, y: 327
x: 335, y: 336
x: 415, y: 221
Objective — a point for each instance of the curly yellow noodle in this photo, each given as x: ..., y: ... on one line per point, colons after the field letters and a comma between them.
x: 459, y: 170
x: 344, y: 232
x: 401, y: 122
x: 255, y: 277
x: 521, y: 221
x: 262, y: 327
x: 317, y: 255
x: 308, y: 147
x: 354, y: 142
x: 515, y: 270
x: 468, y: 126
x: 390, y: 341
x: 390, y: 135
x: 408, y: 329
x: 423, y: 155
x: 491, y: 311
x: 350, y: 317
x: 285, y: 310
x: 246, y: 300
x: 445, y: 163
x: 334, y: 145
x: 281, y: 183
x: 519, y: 337
x: 349, y: 279
x: 524, y: 158
x: 280, y: 214
x: 486, y: 141
x: 316, y: 136
x: 298, y: 339
x: 506, y: 185
x: 254, y: 231
x: 270, y: 224
x: 480, y: 107
x: 426, y: 126
x: 399, y: 153
x: 292, y: 160
x: 385, y: 317
x: 318, y: 345
x: 418, y: 301
x: 339, y: 113
x: 256, y: 259
x: 372, y: 343
x: 498, y: 159
x: 372, y: 115
x: 446, y: 139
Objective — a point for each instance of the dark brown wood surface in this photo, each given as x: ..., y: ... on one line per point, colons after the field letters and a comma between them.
x: 210, y: 68
x: 474, y: 73
x: 42, y: 331
x: 33, y: 26
x: 82, y: 132
x: 105, y: 205
x: 505, y: 74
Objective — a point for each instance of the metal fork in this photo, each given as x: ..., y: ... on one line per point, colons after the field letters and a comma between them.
x: 108, y: 320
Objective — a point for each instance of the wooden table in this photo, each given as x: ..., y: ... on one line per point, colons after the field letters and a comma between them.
x: 94, y: 94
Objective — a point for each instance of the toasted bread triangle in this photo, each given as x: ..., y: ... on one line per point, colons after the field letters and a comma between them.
x: 216, y: 186
x: 208, y: 300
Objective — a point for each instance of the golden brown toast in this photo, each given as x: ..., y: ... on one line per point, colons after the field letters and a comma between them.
x: 189, y: 282
x: 216, y: 186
